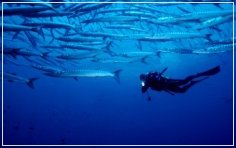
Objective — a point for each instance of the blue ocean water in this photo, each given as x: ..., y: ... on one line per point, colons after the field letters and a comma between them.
x: 102, y: 111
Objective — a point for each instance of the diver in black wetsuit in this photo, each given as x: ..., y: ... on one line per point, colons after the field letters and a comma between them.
x: 158, y: 82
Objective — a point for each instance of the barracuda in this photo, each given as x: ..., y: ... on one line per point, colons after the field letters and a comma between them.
x: 78, y: 39
x: 86, y: 73
x: 48, y: 14
x: 116, y: 10
x: 77, y: 56
x: 214, y: 21
x: 45, y: 68
x: 11, y: 77
x: 23, y: 10
x: 112, y: 19
x: 175, y: 35
x: 205, y: 14
x: 50, y: 25
x: 15, y: 27
x: 25, y: 53
x: 214, y: 49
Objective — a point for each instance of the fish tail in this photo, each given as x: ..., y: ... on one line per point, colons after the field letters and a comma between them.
x: 208, y: 37
x: 53, y: 36
x: 30, y: 82
x: 39, y: 30
x: 144, y: 59
x: 117, y: 75
x: 45, y: 55
x: 107, y: 49
x: 30, y: 38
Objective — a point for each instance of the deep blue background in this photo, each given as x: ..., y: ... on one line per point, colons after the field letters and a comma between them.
x: 101, y: 111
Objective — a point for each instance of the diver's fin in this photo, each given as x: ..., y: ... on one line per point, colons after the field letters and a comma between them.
x: 210, y: 72
x: 30, y: 82
x: 117, y: 75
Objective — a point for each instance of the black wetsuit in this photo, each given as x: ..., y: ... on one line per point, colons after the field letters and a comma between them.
x: 157, y: 82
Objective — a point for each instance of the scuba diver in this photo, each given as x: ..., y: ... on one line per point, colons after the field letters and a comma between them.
x: 156, y: 81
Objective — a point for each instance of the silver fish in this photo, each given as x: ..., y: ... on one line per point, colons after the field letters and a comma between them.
x: 86, y: 73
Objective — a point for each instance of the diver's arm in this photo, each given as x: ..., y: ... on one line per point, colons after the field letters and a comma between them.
x: 144, y: 89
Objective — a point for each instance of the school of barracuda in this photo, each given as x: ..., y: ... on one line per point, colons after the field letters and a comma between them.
x: 57, y: 38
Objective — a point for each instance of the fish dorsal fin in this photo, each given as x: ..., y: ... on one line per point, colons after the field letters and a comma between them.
x: 184, y: 10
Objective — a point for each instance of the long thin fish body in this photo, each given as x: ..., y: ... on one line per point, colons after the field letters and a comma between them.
x: 116, y: 10
x: 50, y: 46
x: 124, y: 26
x: 223, y: 41
x: 96, y: 34
x: 78, y: 39
x: 129, y: 37
x: 213, y: 21
x: 72, y: 8
x: 92, y: 8
x: 181, y: 35
x: 80, y: 47
x: 83, y: 73
x: 14, y: 78
x: 139, y: 14
x: 204, y: 14
x: 23, y: 10
x: 175, y: 50
x: 138, y: 53
x: 19, y: 52
x: 164, y: 20
x: 112, y: 61
x: 92, y: 43
x: 48, y: 14
x: 143, y: 7
x: 197, y: 16
x: 28, y: 53
x: 15, y: 27
x: 113, y: 36
x: 50, y: 25
x: 45, y: 68
x: 214, y: 49
x: 172, y: 36
x: 112, y: 19
x: 90, y: 73
x: 77, y: 56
